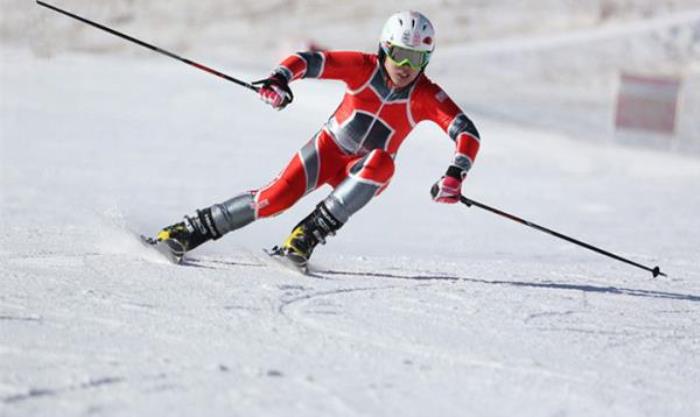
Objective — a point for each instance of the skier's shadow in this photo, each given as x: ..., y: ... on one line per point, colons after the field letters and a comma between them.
x: 546, y: 285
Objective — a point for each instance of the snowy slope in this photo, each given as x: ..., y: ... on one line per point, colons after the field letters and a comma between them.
x: 553, y: 64
x: 422, y: 309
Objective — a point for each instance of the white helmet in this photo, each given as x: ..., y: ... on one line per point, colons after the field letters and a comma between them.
x: 409, y: 30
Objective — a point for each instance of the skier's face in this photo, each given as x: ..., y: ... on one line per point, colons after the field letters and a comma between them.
x: 400, y: 76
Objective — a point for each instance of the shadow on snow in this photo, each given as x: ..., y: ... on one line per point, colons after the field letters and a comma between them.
x: 546, y: 285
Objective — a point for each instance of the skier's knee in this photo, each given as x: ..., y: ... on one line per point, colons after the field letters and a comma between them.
x: 378, y: 166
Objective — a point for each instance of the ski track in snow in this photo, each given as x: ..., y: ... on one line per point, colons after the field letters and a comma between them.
x: 422, y: 310
x: 305, y: 304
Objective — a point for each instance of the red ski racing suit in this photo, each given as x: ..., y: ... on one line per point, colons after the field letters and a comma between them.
x: 354, y: 151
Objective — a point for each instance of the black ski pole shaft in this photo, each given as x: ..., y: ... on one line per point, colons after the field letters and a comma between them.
x: 151, y: 47
x: 469, y: 202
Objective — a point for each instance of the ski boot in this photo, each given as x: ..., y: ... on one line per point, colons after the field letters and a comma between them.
x: 306, y: 235
x: 186, y: 235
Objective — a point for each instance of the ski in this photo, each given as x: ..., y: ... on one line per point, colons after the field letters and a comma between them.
x: 289, y: 263
x: 171, y: 249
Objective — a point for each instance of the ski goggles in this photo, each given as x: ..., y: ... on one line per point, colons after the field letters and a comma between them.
x: 402, y: 56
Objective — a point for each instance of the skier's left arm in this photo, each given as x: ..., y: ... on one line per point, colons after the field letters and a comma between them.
x: 438, y: 107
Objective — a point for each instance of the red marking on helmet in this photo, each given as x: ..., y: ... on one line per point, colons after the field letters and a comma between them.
x: 428, y: 40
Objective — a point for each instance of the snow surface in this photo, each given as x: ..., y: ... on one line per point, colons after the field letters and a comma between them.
x: 420, y: 309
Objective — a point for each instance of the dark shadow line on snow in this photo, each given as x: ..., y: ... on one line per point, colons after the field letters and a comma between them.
x: 17, y: 318
x: 188, y: 263
x: 546, y: 285
x: 201, y: 263
x: 46, y: 392
x: 33, y: 393
x: 394, y: 276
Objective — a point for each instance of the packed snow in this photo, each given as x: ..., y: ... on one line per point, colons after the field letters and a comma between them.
x: 415, y: 309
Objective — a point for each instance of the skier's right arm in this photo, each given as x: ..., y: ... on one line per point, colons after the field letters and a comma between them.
x: 348, y: 66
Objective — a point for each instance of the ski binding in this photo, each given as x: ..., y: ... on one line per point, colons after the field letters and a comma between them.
x: 288, y: 260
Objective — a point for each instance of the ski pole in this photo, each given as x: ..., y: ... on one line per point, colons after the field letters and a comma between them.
x: 656, y: 271
x: 151, y: 47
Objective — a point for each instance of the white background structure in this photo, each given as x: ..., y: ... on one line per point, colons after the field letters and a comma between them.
x: 420, y: 309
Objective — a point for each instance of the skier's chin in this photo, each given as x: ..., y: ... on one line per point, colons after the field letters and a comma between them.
x: 400, y: 76
x: 401, y: 82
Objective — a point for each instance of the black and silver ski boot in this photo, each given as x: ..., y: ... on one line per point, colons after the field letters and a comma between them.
x: 188, y: 234
x: 306, y: 235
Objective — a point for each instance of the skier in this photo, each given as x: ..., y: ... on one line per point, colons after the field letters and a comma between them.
x: 387, y: 94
